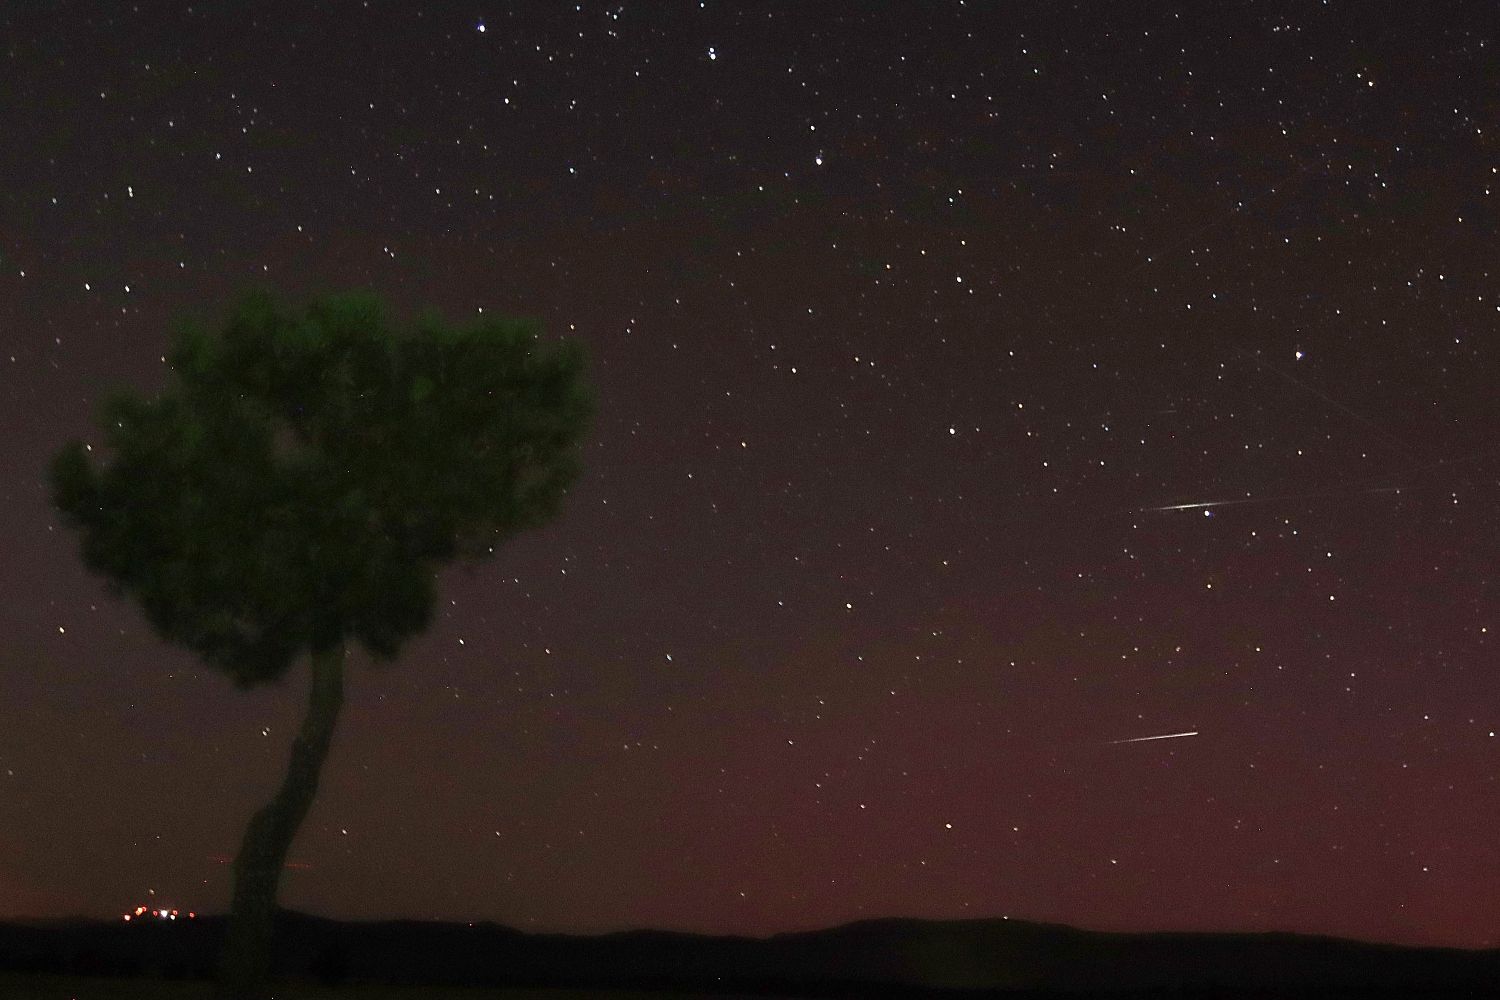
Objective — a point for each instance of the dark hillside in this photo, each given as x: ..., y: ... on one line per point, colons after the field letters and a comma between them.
x: 913, y: 957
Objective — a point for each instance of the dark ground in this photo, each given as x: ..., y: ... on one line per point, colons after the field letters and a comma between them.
x: 929, y: 959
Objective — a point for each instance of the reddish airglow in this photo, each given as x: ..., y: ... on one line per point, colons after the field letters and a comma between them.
x: 908, y: 584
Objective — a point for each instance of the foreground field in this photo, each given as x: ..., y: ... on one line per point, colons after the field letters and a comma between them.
x: 36, y: 987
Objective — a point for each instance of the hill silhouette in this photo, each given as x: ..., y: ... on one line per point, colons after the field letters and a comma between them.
x: 891, y: 957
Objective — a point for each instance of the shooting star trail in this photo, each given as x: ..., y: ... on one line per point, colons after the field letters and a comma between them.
x: 1206, y: 504
x: 1165, y: 736
x: 224, y: 859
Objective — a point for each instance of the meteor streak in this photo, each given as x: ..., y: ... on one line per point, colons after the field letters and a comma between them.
x: 1165, y: 736
x: 1205, y: 504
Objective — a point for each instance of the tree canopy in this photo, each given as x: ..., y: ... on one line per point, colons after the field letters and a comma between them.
x: 302, y: 474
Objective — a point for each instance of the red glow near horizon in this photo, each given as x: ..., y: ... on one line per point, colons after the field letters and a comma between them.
x: 891, y: 531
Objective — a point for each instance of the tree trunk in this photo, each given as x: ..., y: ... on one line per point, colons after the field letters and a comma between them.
x: 245, y: 964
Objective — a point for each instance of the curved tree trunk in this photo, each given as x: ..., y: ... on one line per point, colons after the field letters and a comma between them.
x: 245, y: 963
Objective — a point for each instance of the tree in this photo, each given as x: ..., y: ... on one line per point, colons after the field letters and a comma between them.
x: 293, y: 490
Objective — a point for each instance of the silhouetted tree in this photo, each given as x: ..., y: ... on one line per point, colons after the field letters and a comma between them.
x: 294, y: 488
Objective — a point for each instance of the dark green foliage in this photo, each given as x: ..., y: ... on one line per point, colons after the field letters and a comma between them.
x: 300, y: 478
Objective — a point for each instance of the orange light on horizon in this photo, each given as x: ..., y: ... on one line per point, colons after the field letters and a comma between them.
x: 141, y: 912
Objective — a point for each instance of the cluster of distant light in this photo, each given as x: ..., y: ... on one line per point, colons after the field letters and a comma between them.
x: 143, y: 912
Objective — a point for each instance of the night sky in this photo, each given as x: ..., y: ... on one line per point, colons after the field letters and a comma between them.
x: 980, y: 385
